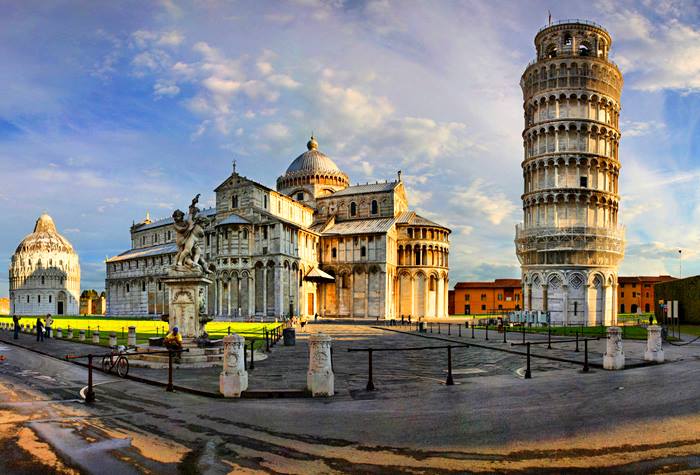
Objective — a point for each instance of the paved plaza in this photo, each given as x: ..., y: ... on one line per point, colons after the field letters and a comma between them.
x: 490, y: 420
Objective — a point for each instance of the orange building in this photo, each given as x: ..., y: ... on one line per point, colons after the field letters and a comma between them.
x: 480, y: 298
x: 636, y: 294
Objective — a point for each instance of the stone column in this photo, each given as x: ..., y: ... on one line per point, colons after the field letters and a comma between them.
x: 131, y: 338
x: 251, y: 294
x: 233, y: 379
x: 654, y: 350
x: 545, y: 302
x: 228, y: 296
x: 614, y: 357
x: 81, y: 335
x: 96, y: 337
x: 614, y: 305
x: 439, y: 303
x: 279, y: 291
x: 264, y: 293
x: 320, y: 378
x: 112, y: 339
x: 565, y: 304
x: 586, y: 290
x: 367, y: 273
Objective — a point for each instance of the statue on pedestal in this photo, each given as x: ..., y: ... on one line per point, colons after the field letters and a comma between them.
x: 188, y: 234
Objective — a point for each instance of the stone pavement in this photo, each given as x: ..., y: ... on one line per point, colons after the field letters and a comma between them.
x: 285, y: 367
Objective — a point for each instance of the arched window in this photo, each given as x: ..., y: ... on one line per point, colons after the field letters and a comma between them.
x: 353, y: 209
x: 300, y: 196
x: 143, y: 286
x: 245, y: 234
x: 234, y: 201
x: 568, y: 41
x: 375, y: 207
x: 363, y: 251
x: 334, y: 253
x: 51, y: 299
x: 551, y: 51
x: 42, y: 280
x: 584, y: 49
x: 265, y: 201
x: 127, y: 287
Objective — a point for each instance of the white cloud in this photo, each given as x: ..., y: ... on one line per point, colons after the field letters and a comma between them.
x: 481, y: 199
x: 639, y: 128
x: 165, y: 89
x: 275, y: 131
x: 283, y: 80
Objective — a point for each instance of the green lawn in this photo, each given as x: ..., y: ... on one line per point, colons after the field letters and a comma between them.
x: 145, y: 329
x: 628, y: 332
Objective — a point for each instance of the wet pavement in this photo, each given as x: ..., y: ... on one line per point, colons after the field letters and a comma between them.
x: 616, y: 422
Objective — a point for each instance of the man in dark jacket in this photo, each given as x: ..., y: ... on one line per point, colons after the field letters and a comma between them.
x: 39, y: 329
x: 15, y: 320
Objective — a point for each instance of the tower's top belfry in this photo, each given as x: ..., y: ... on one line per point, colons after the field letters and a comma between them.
x: 573, y: 38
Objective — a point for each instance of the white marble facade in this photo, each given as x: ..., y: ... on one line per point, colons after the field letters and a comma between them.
x: 44, y: 273
x: 316, y: 245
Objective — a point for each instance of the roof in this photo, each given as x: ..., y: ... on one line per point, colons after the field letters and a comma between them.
x: 169, y: 248
x: 496, y: 284
x: 318, y: 274
x: 44, y: 238
x: 208, y: 212
x: 646, y: 279
x: 410, y: 217
x: 360, y: 226
x: 233, y: 219
x: 366, y: 188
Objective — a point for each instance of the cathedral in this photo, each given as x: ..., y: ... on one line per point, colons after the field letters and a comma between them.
x: 44, y: 273
x: 315, y: 245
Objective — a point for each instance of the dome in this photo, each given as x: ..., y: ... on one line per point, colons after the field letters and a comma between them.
x: 312, y: 161
x: 44, y: 238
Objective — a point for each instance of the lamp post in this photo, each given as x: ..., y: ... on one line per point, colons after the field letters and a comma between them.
x: 680, y: 263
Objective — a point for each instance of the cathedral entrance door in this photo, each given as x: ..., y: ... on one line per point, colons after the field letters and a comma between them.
x: 60, y: 308
x: 310, y: 302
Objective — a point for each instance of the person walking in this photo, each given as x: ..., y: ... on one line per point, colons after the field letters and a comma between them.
x: 39, y: 329
x: 15, y: 320
x: 48, y: 324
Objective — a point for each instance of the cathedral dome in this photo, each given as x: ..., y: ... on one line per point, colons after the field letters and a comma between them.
x: 44, y: 238
x: 312, y: 169
x: 313, y: 161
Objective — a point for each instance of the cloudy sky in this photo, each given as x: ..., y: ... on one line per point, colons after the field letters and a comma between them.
x: 112, y: 109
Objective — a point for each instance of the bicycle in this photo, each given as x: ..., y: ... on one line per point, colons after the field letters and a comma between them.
x: 121, y: 362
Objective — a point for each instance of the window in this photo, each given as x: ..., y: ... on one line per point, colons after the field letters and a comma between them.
x: 38, y: 298
x: 155, y: 238
x: 466, y: 297
x: 500, y: 296
x: 584, y: 50
x: 575, y: 308
x: 42, y: 280
x: 143, y: 286
x: 483, y: 307
x: 634, y: 294
x: 334, y: 253
x: 647, y: 296
x: 568, y: 41
x: 622, y: 294
x: 169, y: 236
x: 300, y: 196
x: 375, y: 207
x: 234, y: 201
x: 622, y: 308
x: 363, y: 251
x: 127, y: 287
x: 353, y: 209
x: 584, y: 182
x: 264, y: 232
x: 483, y: 297
x: 51, y: 299
x: 500, y: 307
x: 160, y: 285
x: 265, y: 201
x: 410, y: 233
x: 27, y: 298
x: 245, y: 234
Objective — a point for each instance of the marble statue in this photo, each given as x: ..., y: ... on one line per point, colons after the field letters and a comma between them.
x: 189, y: 232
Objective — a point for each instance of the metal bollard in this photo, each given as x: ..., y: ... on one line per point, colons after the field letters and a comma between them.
x: 450, y: 381
x: 528, y: 373
x: 251, y: 366
x: 431, y: 327
x: 505, y: 333
x: 523, y: 332
x: 267, y: 341
x: 487, y: 330
x: 459, y: 327
x: 585, y: 357
x: 439, y: 330
x: 449, y: 328
x: 576, y: 350
x: 549, y: 337
x: 472, y: 331
x: 370, y: 382
x: 90, y: 394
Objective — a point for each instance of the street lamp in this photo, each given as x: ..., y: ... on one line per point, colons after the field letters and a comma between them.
x: 680, y: 262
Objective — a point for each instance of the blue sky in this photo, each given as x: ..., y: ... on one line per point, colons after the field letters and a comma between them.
x: 112, y: 109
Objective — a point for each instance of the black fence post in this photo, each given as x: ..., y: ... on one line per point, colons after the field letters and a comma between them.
x: 439, y: 327
x: 90, y: 394
x: 169, y: 387
x: 549, y: 337
x: 267, y: 341
x: 505, y: 333
x: 229, y: 330
x: 431, y: 327
x: 472, y: 330
x: 122, y: 333
x: 449, y: 329
x: 576, y: 350
x: 523, y: 332
x: 487, y: 330
x: 370, y: 383
x: 251, y: 366
x: 459, y: 327
x: 528, y: 373
x: 585, y: 356
x: 450, y: 381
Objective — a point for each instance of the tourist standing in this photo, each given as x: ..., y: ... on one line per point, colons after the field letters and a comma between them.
x: 39, y: 329
x: 15, y: 320
x: 48, y: 325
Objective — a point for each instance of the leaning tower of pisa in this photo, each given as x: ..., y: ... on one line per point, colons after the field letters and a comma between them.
x: 569, y: 243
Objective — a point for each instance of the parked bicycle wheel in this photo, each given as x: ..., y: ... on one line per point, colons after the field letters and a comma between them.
x: 106, y: 363
x: 122, y: 366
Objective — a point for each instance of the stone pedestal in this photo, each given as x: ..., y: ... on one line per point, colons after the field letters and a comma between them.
x: 131, y: 338
x: 113, y: 339
x: 59, y: 332
x: 96, y: 337
x: 81, y: 335
x: 233, y: 380
x: 188, y: 293
x: 614, y: 357
x: 69, y: 334
x: 320, y: 378
x: 654, y: 350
